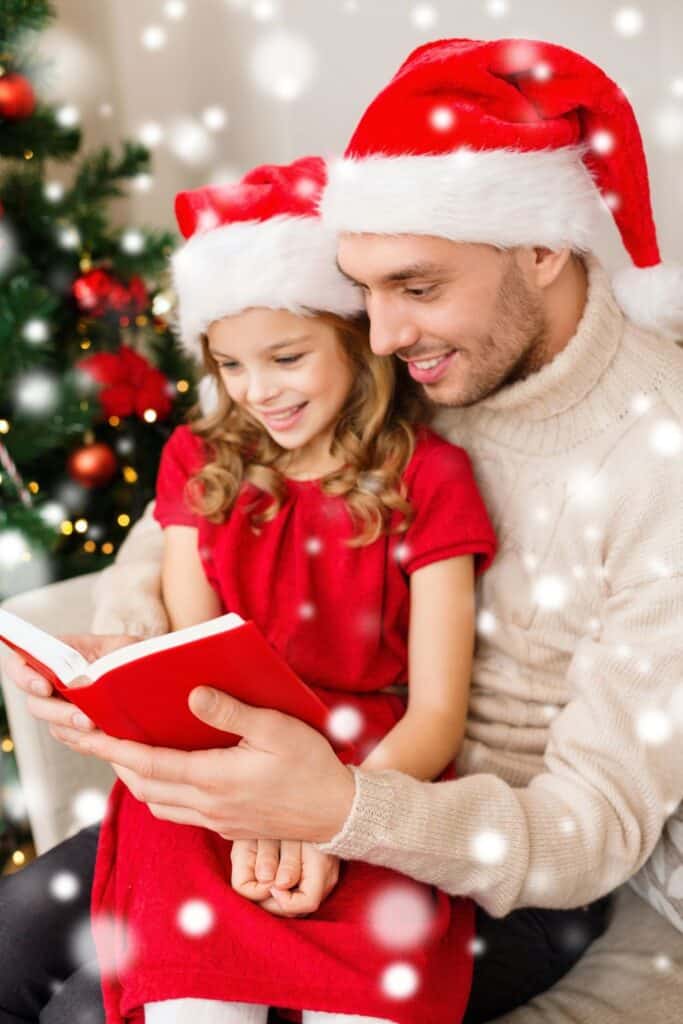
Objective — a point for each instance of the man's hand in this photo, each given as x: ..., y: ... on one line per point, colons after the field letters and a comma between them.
x: 287, y: 878
x: 283, y: 778
x: 41, y: 702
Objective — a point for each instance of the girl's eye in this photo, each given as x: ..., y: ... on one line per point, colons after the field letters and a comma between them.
x: 227, y: 366
x: 288, y: 359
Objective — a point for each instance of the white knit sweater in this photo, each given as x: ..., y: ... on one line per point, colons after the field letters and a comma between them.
x: 573, y: 757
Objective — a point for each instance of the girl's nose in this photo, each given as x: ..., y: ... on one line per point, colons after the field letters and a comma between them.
x: 260, y: 390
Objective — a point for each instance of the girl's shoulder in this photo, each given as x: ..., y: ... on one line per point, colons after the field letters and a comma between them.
x: 185, y: 447
x: 436, y: 458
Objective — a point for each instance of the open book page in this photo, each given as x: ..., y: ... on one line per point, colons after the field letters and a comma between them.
x: 72, y: 669
x: 131, y: 652
x: 64, y: 661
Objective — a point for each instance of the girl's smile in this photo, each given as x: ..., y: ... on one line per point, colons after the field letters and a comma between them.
x: 284, y: 420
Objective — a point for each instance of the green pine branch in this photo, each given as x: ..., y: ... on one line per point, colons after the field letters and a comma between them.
x: 41, y: 135
x: 19, y: 16
x: 99, y: 175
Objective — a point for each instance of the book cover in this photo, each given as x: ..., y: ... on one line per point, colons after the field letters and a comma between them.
x: 144, y: 696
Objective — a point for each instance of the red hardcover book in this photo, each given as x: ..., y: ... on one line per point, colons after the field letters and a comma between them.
x: 140, y: 691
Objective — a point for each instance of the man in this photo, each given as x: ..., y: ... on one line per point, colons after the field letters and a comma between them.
x: 464, y: 204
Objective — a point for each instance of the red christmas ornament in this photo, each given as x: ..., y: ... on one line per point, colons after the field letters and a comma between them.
x: 17, y: 99
x: 93, y: 465
x: 130, y: 384
x: 98, y: 293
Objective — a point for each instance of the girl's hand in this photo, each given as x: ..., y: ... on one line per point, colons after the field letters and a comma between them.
x: 319, y: 875
x: 287, y: 878
x: 259, y: 864
x: 45, y: 704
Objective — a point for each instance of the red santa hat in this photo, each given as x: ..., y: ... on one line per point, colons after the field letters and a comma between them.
x: 257, y: 242
x: 508, y: 142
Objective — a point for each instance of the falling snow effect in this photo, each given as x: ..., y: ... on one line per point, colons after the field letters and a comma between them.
x: 654, y: 727
x: 196, y: 917
x: 345, y: 723
x: 36, y: 331
x: 666, y: 438
x: 37, y: 392
x: 89, y: 806
x: 401, y: 917
x: 550, y: 592
x: 154, y: 37
x: 283, y: 68
x: 629, y: 22
x: 282, y: 65
x: 64, y: 886
x: 400, y: 981
x: 424, y: 16
x: 190, y: 140
x: 489, y: 847
x: 497, y: 8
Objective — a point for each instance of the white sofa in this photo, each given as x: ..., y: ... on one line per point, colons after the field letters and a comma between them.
x: 632, y: 975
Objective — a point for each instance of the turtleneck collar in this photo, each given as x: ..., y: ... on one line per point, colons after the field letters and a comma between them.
x: 573, y: 397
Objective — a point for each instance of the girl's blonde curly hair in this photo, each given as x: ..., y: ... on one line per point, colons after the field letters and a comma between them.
x: 375, y: 435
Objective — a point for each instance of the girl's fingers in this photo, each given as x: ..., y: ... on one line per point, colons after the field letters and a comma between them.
x: 61, y: 714
x: 319, y: 875
x: 23, y: 675
x: 243, y: 878
x: 273, y: 907
x: 295, y: 903
x: 289, y: 871
x: 267, y: 860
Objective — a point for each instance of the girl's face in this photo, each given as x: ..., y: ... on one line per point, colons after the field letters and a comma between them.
x: 289, y: 372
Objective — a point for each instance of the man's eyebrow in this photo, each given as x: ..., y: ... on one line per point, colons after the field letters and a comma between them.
x: 269, y: 348
x: 343, y: 273
x: 413, y: 270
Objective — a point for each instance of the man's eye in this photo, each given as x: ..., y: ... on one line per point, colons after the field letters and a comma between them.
x: 287, y: 359
x: 420, y: 293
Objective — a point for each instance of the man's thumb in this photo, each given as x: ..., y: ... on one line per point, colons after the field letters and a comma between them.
x: 264, y: 728
x: 213, y: 706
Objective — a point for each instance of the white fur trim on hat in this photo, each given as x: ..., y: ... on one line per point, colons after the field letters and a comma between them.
x: 502, y: 197
x: 652, y: 297
x: 282, y: 263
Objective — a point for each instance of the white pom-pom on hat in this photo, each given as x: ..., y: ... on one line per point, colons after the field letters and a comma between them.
x: 652, y: 297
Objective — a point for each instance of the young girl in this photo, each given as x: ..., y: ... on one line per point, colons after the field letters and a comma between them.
x: 311, y: 501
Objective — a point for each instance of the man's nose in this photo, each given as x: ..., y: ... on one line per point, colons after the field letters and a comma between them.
x: 389, y: 334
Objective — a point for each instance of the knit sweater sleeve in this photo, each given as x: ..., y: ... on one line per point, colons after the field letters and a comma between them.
x: 613, y: 764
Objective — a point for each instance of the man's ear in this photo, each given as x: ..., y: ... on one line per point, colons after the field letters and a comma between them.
x: 548, y: 265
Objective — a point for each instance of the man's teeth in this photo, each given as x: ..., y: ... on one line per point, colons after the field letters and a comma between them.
x: 427, y: 364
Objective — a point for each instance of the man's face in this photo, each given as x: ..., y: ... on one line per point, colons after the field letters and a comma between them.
x: 466, y: 318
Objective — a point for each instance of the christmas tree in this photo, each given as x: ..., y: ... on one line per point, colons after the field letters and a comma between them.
x: 91, y: 378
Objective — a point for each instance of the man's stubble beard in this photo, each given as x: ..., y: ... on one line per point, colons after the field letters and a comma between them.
x: 515, y: 348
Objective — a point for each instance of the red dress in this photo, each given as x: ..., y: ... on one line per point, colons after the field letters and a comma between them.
x: 339, y: 616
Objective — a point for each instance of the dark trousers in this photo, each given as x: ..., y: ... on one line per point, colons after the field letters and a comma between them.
x: 48, y: 969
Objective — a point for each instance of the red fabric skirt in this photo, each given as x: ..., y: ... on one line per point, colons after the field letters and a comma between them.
x: 168, y: 925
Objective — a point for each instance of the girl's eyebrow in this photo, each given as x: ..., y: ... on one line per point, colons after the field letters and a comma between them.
x: 269, y: 348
